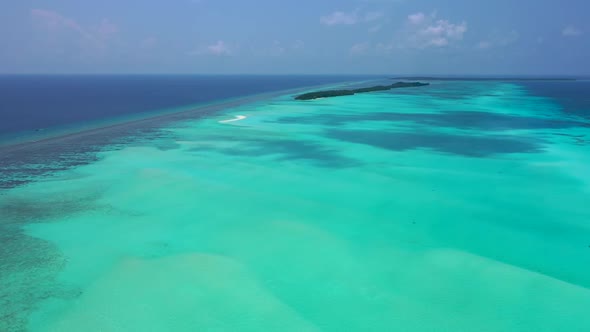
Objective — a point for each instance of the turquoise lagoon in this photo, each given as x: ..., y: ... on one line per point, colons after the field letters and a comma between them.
x: 462, y: 206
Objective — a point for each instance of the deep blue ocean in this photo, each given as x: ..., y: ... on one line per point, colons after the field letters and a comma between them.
x: 572, y: 96
x: 30, y: 103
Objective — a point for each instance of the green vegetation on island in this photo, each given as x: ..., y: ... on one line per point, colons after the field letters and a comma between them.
x: 349, y: 92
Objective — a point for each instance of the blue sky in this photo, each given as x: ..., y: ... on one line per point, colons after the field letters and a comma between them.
x: 296, y: 37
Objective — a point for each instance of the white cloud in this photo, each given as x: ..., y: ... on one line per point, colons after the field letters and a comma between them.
x: 338, y: 18
x: 439, y: 41
x: 219, y: 48
x: 420, y: 31
x: 571, y: 31
x: 441, y: 33
x: 445, y: 29
x: 417, y: 18
x: 427, y: 31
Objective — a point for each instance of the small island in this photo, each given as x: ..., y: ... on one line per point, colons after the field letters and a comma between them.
x: 349, y: 92
x: 483, y: 78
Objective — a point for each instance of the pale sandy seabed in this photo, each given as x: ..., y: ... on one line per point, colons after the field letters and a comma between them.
x: 454, y: 207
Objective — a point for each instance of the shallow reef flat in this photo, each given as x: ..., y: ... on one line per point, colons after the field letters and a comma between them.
x: 452, y: 207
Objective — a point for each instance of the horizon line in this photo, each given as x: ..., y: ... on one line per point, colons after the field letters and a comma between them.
x: 389, y: 75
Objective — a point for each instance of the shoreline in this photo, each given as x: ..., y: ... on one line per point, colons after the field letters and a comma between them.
x: 350, y: 92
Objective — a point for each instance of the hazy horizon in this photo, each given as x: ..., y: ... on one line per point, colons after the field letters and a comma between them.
x: 359, y: 75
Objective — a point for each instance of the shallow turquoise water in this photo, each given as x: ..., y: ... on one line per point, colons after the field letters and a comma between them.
x: 457, y: 207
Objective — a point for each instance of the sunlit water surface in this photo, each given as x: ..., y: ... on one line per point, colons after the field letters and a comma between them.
x: 462, y: 206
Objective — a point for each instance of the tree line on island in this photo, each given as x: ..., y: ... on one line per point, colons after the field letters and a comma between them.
x: 349, y: 92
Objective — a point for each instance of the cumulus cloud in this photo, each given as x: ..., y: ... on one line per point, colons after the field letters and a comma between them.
x: 571, y: 31
x: 420, y: 31
x: 441, y: 32
x: 416, y: 18
x: 428, y: 31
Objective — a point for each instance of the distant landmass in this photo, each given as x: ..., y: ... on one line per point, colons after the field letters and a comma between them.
x: 467, y: 78
x: 349, y: 92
